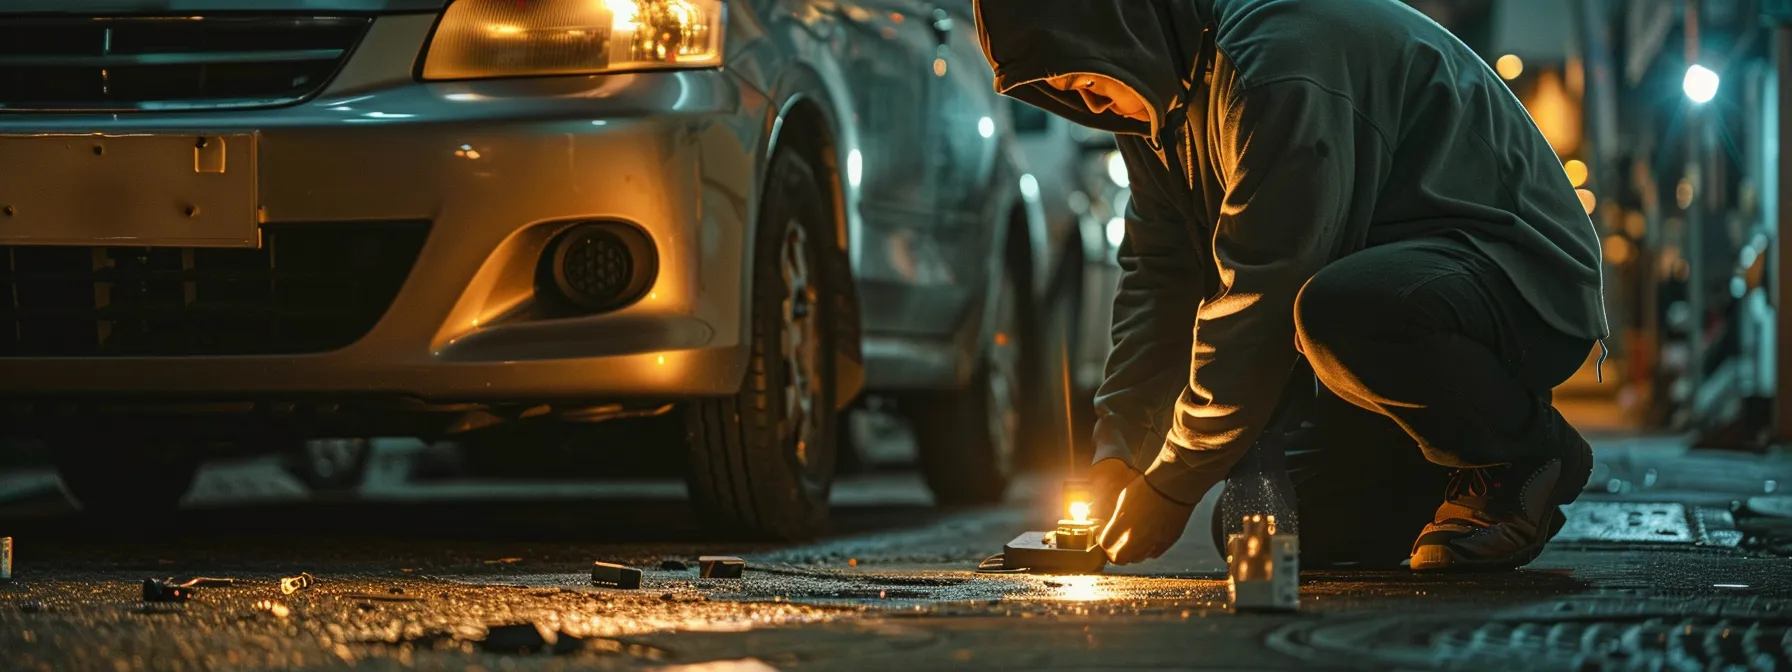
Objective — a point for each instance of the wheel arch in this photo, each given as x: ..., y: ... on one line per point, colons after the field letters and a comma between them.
x: 804, y: 120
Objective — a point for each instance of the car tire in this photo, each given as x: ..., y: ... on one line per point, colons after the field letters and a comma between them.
x: 763, y: 460
x: 121, y: 479
x: 967, y: 440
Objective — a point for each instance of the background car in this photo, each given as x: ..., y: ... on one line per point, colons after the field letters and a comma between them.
x: 281, y: 222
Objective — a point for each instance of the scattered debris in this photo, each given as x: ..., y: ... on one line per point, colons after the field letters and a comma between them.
x: 673, y: 565
x: 165, y: 591
x: 388, y: 597
x: 721, y: 567
x: 521, y: 638
x: 31, y: 607
x: 277, y: 609
x: 293, y: 584
x: 504, y: 561
x: 615, y: 576
x: 208, y: 582
x: 642, y: 651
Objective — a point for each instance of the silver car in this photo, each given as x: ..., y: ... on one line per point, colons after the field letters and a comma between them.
x: 240, y: 224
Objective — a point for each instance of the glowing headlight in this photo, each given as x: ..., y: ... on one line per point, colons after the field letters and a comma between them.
x: 506, y: 38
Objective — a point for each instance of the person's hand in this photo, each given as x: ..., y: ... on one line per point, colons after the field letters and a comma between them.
x: 1106, y: 479
x: 1144, y: 524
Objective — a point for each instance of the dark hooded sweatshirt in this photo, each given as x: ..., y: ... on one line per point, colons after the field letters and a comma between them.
x: 1287, y: 134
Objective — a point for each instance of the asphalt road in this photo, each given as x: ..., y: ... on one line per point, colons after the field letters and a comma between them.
x: 470, y: 575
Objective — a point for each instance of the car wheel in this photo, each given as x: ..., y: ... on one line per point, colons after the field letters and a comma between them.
x: 126, y: 479
x: 967, y: 438
x: 762, y: 461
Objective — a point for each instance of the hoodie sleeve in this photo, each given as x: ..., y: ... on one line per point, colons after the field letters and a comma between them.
x: 1285, y: 153
x: 1160, y: 287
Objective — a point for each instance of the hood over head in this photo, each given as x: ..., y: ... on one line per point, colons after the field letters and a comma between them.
x: 1149, y: 45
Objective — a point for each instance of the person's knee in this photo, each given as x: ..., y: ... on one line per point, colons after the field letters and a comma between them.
x: 1328, y: 315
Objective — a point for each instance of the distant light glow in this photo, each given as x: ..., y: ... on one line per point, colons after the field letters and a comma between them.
x: 1700, y: 84
x: 1577, y: 172
x: 1587, y: 200
x: 462, y: 97
x: 986, y: 127
x: 939, y: 67
x: 1729, y: 585
x: 855, y: 167
x: 1029, y: 186
x: 1116, y: 231
x: 1079, y: 512
x: 599, y: 122
x: 388, y: 115
x: 1509, y: 66
x: 1117, y: 170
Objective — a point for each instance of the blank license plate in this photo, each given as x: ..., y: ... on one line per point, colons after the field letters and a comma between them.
x: 129, y: 190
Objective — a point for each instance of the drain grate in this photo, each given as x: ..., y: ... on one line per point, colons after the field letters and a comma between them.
x: 1635, y: 643
x: 1626, y: 522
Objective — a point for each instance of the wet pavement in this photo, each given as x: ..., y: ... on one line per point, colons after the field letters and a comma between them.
x: 1686, y: 568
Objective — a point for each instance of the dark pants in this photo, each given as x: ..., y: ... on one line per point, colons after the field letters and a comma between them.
x: 1429, y: 360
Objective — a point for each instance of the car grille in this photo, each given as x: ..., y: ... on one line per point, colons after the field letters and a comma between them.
x: 169, y: 63
x: 309, y: 288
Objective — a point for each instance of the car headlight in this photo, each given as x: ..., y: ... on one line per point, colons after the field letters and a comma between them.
x: 507, y: 38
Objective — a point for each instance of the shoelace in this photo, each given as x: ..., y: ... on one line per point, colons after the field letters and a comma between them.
x: 1477, y: 482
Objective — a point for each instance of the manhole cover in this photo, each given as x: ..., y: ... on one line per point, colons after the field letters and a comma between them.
x: 1626, y: 522
x: 1592, y: 643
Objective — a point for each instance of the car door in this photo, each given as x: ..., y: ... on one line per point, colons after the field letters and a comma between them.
x: 887, y: 51
x: 966, y: 133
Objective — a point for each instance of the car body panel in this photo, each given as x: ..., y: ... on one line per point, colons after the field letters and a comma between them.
x: 499, y: 166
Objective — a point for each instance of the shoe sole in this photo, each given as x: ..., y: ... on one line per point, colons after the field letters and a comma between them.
x: 1576, y: 470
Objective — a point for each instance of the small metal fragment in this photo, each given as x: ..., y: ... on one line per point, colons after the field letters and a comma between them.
x: 208, y: 582
x: 293, y: 584
x: 613, y: 575
x: 721, y: 567
x: 164, y: 591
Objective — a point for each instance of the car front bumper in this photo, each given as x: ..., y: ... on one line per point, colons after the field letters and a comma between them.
x: 495, y: 168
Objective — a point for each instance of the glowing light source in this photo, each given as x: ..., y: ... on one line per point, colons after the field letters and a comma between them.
x: 855, y: 167
x: 1081, y: 588
x: 1079, y: 512
x: 939, y: 67
x: 986, y: 127
x: 1587, y: 200
x: 1509, y: 66
x: 1117, y: 170
x: 1116, y: 231
x: 1577, y: 172
x: 1029, y: 186
x: 1700, y: 84
x: 625, y: 11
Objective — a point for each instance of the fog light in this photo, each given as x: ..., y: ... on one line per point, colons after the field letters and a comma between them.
x: 601, y: 266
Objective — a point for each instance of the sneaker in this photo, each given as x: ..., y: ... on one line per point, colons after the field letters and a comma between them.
x: 1499, y: 517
